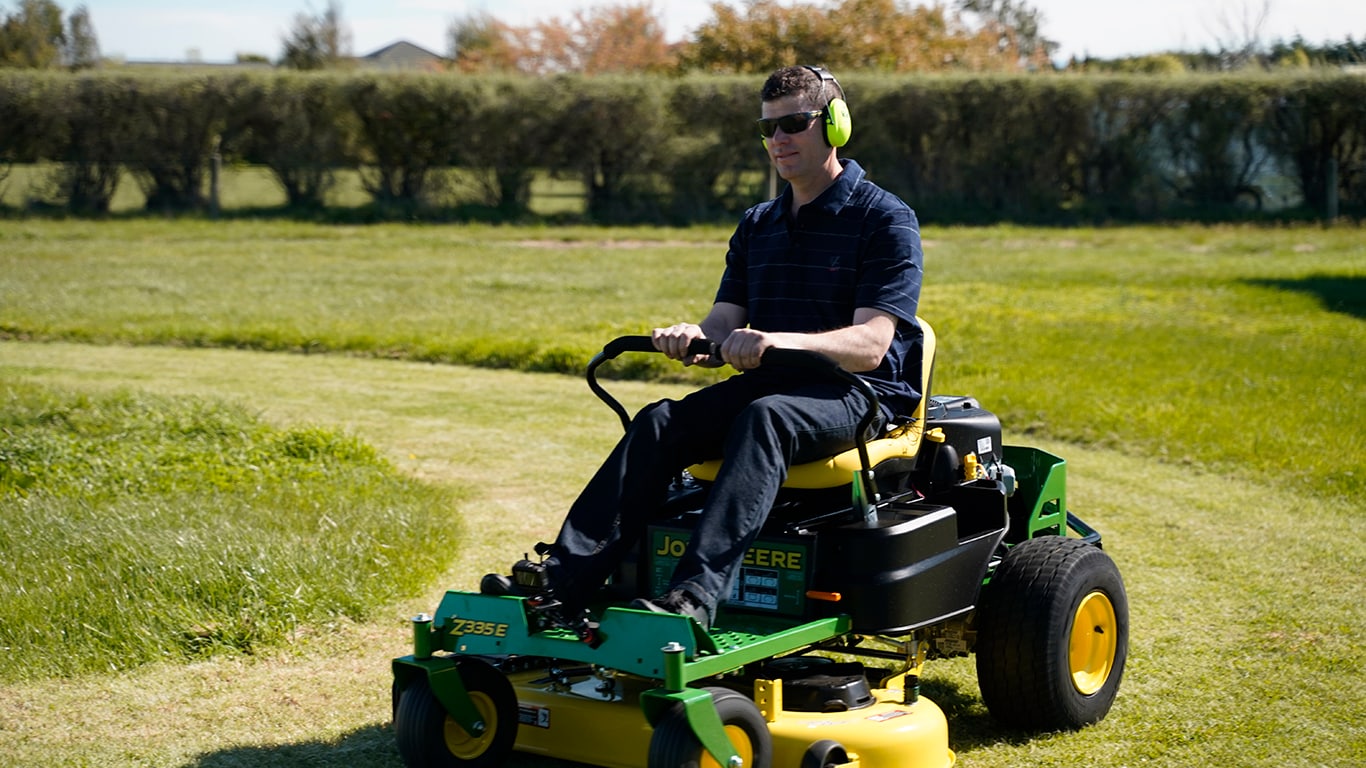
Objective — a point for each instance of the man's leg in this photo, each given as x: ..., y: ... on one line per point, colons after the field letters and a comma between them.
x: 768, y: 437
x: 611, y: 513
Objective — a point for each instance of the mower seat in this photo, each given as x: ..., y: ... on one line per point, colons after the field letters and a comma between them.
x: 902, y: 441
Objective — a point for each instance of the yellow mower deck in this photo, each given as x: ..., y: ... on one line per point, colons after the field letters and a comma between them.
x: 582, y: 723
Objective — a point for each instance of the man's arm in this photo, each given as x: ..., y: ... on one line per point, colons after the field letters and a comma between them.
x: 857, y: 347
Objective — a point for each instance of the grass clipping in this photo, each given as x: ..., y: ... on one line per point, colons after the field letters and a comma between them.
x: 136, y: 528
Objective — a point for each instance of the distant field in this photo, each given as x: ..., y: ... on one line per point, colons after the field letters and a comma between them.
x: 1220, y: 347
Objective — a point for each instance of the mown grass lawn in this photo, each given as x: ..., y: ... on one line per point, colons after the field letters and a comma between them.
x: 1200, y: 382
x: 1229, y: 346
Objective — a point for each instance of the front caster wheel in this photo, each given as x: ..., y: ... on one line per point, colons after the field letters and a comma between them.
x: 674, y: 745
x: 428, y: 736
x: 825, y: 754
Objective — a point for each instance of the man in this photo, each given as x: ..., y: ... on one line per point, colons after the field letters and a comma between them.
x: 833, y: 265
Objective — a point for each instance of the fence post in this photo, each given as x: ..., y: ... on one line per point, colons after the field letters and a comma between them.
x: 215, y: 169
x: 1331, y: 198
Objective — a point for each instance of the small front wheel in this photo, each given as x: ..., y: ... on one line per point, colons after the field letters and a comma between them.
x: 1052, y: 635
x: 674, y: 745
x: 825, y: 754
x: 428, y: 736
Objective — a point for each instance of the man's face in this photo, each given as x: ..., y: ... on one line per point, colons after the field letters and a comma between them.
x: 795, y: 155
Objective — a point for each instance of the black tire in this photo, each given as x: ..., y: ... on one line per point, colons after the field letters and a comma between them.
x: 674, y: 745
x: 824, y: 754
x: 427, y: 736
x: 1053, y: 635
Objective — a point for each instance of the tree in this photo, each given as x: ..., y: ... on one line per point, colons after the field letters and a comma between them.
x: 1237, y: 30
x: 82, y: 49
x: 1015, y: 28
x: 317, y: 42
x: 481, y: 43
x: 854, y: 35
x: 33, y: 36
x: 601, y: 40
x: 606, y: 39
x: 763, y: 36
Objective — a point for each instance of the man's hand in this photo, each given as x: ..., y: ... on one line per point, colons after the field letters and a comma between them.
x: 674, y: 340
x: 744, y: 348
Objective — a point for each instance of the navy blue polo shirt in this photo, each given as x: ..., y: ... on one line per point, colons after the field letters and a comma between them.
x: 856, y: 245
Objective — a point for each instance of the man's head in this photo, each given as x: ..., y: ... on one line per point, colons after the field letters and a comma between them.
x: 803, y: 118
x: 810, y: 89
x: 806, y: 83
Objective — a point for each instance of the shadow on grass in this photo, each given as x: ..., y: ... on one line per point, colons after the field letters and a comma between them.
x: 369, y: 747
x: 1345, y: 294
x: 372, y: 746
x: 970, y: 726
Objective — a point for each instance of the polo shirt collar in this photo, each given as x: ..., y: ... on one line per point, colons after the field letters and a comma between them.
x: 834, y: 198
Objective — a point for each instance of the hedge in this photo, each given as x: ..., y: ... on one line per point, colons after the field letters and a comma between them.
x: 679, y: 150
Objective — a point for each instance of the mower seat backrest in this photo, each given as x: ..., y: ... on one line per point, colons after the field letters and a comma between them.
x: 900, y: 442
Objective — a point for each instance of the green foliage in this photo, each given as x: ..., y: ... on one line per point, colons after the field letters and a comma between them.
x: 179, y: 122
x: 33, y: 36
x: 409, y: 126
x: 299, y: 127
x: 97, y: 124
x: 652, y: 149
x: 316, y: 42
x: 612, y: 135
x: 138, y: 528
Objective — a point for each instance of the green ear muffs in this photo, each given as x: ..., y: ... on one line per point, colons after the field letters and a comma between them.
x: 837, y: 123
x: 838, y: 126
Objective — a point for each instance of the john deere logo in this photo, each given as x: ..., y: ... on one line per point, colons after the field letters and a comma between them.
x: 789, y: 560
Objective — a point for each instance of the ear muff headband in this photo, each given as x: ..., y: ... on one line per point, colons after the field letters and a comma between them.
x: 837, y: 123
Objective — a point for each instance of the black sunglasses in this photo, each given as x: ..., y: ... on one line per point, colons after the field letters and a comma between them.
x: 793, y: 123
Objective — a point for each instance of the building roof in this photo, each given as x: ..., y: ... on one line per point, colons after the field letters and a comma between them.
x: 401, y: 54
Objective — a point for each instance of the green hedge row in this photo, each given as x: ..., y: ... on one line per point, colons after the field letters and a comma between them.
x: 1043, y: 148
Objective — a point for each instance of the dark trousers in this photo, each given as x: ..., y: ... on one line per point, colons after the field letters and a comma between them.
x: 760, y: 422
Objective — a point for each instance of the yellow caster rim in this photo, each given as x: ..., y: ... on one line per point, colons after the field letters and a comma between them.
x: 738, y: 739
x: 461, y: 744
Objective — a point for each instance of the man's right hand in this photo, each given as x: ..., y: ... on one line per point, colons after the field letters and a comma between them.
x: 674, y: 340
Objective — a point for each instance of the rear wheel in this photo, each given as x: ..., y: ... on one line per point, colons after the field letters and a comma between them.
x: 428, y: 736
x: 674, y: 745
x: 1053, y: 635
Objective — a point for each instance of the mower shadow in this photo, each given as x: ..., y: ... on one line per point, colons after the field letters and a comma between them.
x: 370, y: 747
x: 970, y: 726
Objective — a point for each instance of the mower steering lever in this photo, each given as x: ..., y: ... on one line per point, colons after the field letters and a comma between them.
x: 792, y: 358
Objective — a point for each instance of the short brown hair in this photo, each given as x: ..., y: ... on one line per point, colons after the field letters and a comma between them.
x: 805, y: 83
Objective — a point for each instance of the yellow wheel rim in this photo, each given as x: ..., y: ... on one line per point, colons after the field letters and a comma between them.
x: 461, y: 744
x: 738, y: 739
x: 1095, y: 638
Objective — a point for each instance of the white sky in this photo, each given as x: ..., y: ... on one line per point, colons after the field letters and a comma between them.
x: 168, y: 30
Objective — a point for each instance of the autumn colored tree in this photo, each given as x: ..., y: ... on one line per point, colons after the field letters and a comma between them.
x: 1014, y: 26
x: 875, y: 35
x: 763, y: 36
x: 599, y: 40
x: 614, y: 39
x: 481, y: 43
